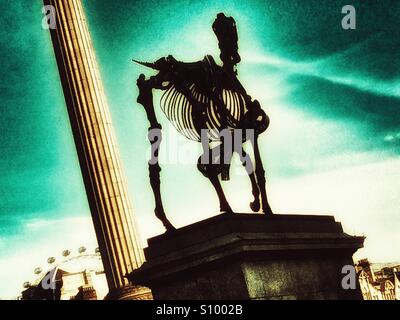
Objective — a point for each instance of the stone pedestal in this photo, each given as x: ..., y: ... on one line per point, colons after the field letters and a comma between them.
x: 250, y: 256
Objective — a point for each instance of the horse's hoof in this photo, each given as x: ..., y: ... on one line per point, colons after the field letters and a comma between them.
x: 170, y: 230
x: 160, y: 214
x: 169, y: 227
x: 268, y: 213
x: 255, y: 205
x: 227, y: 210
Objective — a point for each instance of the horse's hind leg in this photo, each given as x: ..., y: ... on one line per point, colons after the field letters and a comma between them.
x: 146, y: 99
x: 210, y: 169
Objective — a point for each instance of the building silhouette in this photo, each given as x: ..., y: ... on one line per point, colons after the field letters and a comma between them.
x: 377, y: 281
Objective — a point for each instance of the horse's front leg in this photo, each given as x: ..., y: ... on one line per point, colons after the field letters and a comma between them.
x: 248, y: 165
x: 260, y: 174
x: 145, y: 98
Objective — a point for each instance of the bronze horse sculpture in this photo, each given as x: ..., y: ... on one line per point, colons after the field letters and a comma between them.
x: 207, y: 103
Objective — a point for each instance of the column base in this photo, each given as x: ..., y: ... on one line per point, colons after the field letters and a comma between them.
x: 130, y: 293
x: 250, y: 256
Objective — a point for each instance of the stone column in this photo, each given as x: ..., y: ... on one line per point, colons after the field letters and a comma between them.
x: 97, y: 149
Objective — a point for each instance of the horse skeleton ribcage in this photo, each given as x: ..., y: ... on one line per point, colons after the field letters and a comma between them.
x: 179, y: 108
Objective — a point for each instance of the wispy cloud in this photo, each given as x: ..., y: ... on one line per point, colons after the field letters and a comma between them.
x: 319, y: 69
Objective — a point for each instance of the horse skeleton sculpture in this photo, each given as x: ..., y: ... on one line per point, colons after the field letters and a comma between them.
x: 204, y: 97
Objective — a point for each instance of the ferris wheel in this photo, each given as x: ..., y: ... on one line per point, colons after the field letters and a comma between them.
x: 82, y: 260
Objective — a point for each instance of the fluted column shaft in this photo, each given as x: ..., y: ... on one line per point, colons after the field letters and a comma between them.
x: 95, y: 141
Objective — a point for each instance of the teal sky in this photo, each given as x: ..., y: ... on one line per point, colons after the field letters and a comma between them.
x: 333, y: 97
